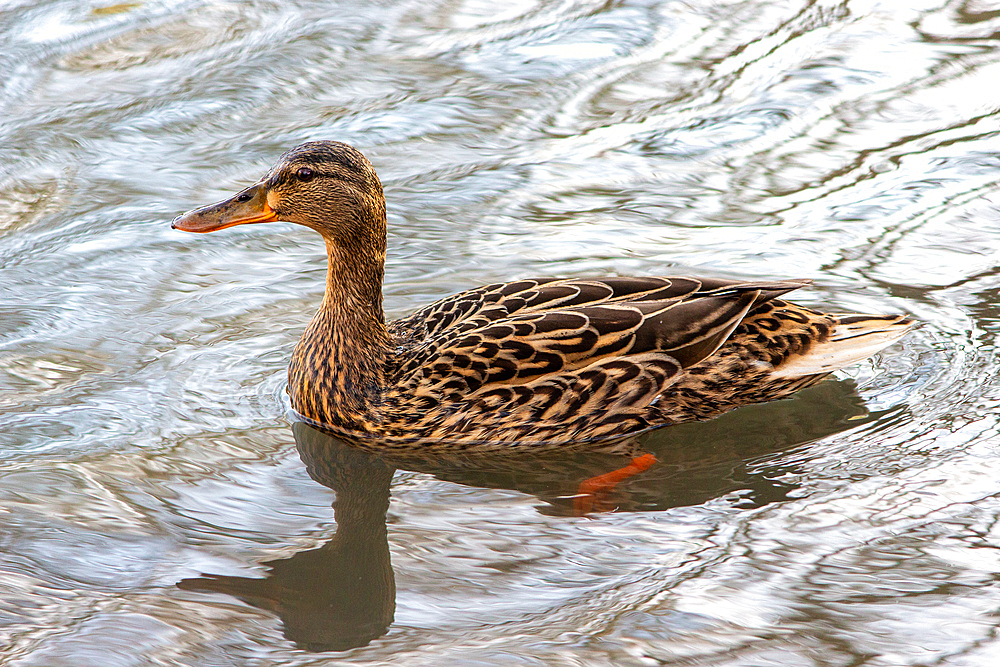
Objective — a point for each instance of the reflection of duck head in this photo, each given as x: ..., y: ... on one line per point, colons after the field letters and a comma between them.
x: 342, y: 594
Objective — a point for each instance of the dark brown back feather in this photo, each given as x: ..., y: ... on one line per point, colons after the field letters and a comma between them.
x: 570, y: 356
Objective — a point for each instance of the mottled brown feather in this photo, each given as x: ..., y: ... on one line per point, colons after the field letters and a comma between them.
x: 532, y: 363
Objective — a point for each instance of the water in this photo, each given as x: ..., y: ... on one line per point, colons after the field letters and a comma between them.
x: 143, y: 436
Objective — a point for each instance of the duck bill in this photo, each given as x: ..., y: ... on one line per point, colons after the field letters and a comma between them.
x: 252, y: 209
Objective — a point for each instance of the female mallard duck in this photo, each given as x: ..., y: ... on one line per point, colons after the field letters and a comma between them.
x: 533, y: 363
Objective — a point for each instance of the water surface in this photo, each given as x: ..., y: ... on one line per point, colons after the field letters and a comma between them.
x: 143, y: 432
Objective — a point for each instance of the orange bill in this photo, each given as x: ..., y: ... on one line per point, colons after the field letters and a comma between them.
x: 248, y: 207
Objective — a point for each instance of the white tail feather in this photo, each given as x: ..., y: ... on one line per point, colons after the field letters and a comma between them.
x: 855, y: 337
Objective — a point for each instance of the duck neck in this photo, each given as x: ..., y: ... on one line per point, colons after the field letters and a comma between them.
x: 337, y: 372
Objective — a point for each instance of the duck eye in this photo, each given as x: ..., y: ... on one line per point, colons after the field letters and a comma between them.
x: 304, y: 174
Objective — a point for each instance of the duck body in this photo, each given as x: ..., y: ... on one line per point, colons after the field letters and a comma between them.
x: 531, y: 364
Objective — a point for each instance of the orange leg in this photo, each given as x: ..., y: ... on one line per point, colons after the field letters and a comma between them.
x: 594, y: 490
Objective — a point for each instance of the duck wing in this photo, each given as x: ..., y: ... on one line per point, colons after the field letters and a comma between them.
x: 488, y: 303
x: 529, y: 359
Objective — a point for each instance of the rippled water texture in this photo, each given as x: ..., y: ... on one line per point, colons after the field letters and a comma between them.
x: 158, y: 507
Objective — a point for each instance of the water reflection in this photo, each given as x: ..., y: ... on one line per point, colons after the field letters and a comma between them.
x: 342, y: 594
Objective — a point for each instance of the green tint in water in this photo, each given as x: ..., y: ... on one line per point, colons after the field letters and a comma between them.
x: 142, y: 437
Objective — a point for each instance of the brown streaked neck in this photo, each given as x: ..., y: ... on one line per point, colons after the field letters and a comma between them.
x: 337, y: 372
x: 354, y: 286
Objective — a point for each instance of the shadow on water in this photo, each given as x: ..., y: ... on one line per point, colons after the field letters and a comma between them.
x: 342, y: 594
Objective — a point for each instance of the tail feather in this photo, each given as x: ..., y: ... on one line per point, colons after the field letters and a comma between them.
x: 853, y: 338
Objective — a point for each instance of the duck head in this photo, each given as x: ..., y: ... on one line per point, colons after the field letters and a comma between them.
x: 327, y: 186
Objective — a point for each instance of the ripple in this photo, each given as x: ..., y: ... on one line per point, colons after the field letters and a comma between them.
x: 142, y: 437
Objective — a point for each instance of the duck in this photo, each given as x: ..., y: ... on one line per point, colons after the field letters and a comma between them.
x: 529, y: 365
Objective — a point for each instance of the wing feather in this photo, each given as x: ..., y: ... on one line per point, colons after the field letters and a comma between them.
x: 540, y: 352
x: 501, y: 300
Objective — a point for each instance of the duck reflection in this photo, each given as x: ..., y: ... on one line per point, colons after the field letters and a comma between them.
x: 342, y: 594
